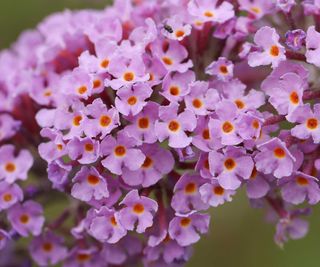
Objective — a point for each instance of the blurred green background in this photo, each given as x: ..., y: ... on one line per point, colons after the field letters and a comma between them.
x: 239, y: 235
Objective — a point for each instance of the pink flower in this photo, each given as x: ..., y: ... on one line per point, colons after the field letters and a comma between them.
x: 271, y: 51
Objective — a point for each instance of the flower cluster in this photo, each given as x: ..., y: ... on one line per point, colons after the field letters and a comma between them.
x: 142, y: 116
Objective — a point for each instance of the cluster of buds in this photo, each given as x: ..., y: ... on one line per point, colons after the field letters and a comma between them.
x: 134, y: 120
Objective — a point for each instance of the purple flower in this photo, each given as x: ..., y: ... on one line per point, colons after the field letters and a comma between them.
x: 214, y: 195
x: 178, y: 30
x: 26, y: 218
x: 138, y: 211
x: 88, y: 184
x: 103, y: 120
x: 186, y: 229
x: 222, y: 69
x: 201, y: 99
x: 131, y: 99
x: 286, y: 93
x: 173, y: 126
x: 186, y: 196
x: 142, y: 127
x: 309, y: 122
x: 158, y: 162
x: 299, y: 187
x: 224, y: 127
x: 275, y: 158
x: 14, y: 167
x: 104, y: 225
x: 10, y: 194
x: 172, y: 55
x: 230, y: 167
x: 210, y: 10
x: 176, y: 85
x: 77, y: 83
x: 257, y: 8
x: 202, y: 138
x: 121, y: 152
x: 126, y: 71
x: 47, y: 249
x: 272, y: 52
x: 85, y: 150
x: 53, y: 149
x: 162, y: 246
x: 237, y: 93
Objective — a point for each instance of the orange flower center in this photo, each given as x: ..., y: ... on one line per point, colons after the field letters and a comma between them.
x: 294, y: 98
x: 190, y: 188
x: 47, y: 93
x: 47, y: 247
x: 239, y: 103
x: 128, y: 76
x: 197, y: 103
x: 312, y: 123
x: 7, y: 197
x: 274, y: 51
x: 92, y: 179
x: 132, y: 100
x: 179, y: 33
x: 253, y: 173
x: 208, y: 14
x: 279, y: 153
x: 59, y: 147
x: 255, y: 124
x: 143, y: 123
x: 167, y: 60
x: 113, y: 221
x: 223, y: 69
x: 120, y: 151
x: 83, y: 257
x: 77, y: 120
x: 148, y: 162
x: 206, y: 134
x: 96, y: 84
x: 88, y: 147
x: 105, y: 121
x: 302, y: 181
x: 230, y: 164
x: 104, y: 63
x: 174, y: 126
x: 10, y: 167
x: 185, y: 222
x: 82, y: 89
x: 218, y: 190
x: 138, y: 208
x: 174, y: 90
x: 227, y: 127
x: 24, y: 218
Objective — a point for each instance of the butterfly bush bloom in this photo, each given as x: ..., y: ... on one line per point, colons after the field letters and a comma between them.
x: 27, y: 218
x: 138, y: 209
x: 132, y: 121
x: 272, y: 52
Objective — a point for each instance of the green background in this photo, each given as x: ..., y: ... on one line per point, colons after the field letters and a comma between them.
x: 239, y: 234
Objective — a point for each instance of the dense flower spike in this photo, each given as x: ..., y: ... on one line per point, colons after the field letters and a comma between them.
x: 148, y: 113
